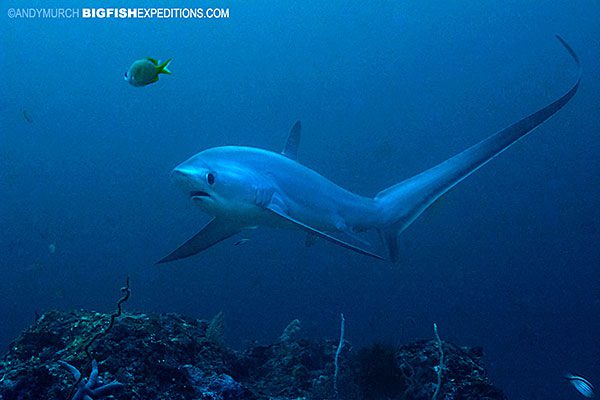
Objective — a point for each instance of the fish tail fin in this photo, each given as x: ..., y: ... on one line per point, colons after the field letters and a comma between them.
x: 399, y: 205
x: 163, y: 68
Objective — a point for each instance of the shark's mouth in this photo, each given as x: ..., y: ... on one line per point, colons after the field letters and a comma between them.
x: 198, y: 193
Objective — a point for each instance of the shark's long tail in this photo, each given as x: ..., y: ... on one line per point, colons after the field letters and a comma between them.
x: 401, y: 204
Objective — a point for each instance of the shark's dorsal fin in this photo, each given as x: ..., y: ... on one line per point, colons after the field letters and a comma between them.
x: 216, y: 230
x: 275, y: 209
x: 293, y: 141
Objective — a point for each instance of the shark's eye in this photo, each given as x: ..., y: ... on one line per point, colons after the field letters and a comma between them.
x: 210, y: 178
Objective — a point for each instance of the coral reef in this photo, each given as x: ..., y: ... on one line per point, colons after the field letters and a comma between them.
x: 174, y: 357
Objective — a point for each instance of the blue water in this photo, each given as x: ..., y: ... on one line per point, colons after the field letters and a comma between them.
x: 508, y: 260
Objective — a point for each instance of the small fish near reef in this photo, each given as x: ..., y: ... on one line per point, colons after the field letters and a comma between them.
x: 582, y: 385
x: 145, y: 71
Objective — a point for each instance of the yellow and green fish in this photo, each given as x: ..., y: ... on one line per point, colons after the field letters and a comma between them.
x: 145, y: 71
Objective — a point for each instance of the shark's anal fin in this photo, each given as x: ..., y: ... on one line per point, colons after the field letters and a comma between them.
x: 293, y: 141
x: 216, y: 230
x: 277, y: 211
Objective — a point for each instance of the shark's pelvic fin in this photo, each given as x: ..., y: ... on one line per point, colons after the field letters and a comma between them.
x: 401, y: 204
x: 293, y: 141
x: 278, y: 211
x: 216, y: 230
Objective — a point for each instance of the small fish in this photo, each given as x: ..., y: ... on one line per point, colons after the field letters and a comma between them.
x: 52, y: 248
x: 60, y: 293
x: 241, y: 242
x: 582, y: 385
x: 27, y: 116
x: 35, y: 267
x: 145, y: 71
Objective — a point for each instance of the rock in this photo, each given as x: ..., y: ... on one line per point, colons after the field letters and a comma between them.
x: 170, y: 357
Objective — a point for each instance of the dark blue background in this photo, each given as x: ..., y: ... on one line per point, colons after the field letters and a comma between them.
x: 508, y: 260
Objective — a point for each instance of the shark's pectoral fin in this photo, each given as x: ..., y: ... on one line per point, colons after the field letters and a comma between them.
x: 216, y: 230
x: 279, y: 212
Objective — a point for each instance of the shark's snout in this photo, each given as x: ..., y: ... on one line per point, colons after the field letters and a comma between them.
x: 183, y: 178
x: 178, y: 174
x: 187, y: 180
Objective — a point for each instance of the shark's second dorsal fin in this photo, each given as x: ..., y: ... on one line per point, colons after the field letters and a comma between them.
x: 293, y: 141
